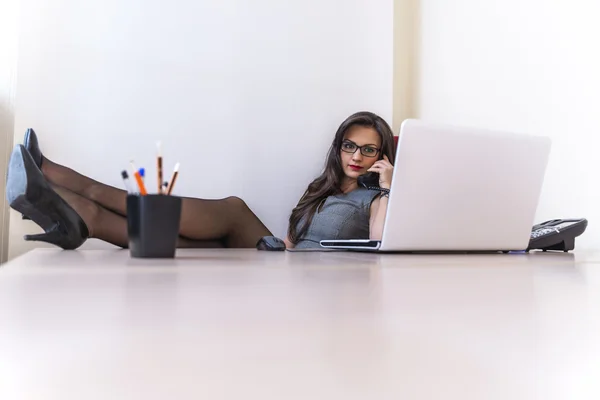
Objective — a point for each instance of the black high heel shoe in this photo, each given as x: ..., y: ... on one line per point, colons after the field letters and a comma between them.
x: 30, y: 141
x: 28, y: 192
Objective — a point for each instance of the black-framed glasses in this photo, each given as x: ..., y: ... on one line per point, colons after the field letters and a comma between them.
x: 349, y: 146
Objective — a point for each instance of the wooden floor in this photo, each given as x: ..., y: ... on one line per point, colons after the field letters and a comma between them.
x: 244, y: 324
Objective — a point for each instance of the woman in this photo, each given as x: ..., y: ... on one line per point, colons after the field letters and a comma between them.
x: 71, y: 207
x: 334, y: 206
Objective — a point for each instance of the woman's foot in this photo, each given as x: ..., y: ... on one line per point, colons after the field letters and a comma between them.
x: 28, y: 192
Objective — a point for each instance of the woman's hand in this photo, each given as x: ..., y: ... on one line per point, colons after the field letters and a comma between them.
x: 385, y: 169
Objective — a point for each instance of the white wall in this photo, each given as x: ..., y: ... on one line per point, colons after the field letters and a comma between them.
x: 406, y: 29
x: 246, y: 95
x: 9, y: 14
x: 527, y: 65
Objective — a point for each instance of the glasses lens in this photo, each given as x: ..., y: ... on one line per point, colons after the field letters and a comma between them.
x: 369, y: 151
x: 348, y: 147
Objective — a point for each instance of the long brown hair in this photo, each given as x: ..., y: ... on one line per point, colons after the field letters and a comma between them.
x: 329, y: 182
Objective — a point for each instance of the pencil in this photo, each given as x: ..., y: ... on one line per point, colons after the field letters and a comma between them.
x: 159, y: 167
x: 173, y: 179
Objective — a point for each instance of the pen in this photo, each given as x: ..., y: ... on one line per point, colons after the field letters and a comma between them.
x: 173, y: 179
x: 127, y: 182
x: 138, y: 179
x: 142, y: 172
x: 159, y: 167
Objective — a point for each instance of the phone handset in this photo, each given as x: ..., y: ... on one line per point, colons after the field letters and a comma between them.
x: 370, y: 181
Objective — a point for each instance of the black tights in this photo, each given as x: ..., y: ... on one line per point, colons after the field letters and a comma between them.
x: 204, y: 223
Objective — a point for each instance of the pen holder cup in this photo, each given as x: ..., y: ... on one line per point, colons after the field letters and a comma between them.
x: 153, y: 225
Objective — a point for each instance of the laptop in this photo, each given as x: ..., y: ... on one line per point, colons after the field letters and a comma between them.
x: 460, y: 189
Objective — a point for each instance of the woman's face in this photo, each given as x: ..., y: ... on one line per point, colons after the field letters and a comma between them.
x: 356, y: 161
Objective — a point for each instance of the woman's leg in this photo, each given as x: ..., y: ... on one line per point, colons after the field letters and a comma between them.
x: 107, y: 196
x: 105, y: 225
x: 229, y: 220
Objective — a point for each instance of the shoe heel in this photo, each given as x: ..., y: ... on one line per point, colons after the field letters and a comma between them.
x: 52, y: 237
x: 55, y: 237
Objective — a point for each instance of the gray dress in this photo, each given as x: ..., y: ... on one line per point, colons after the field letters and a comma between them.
x: 343, y: 216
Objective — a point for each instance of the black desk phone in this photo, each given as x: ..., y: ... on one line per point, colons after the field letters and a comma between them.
x: 556, y: 234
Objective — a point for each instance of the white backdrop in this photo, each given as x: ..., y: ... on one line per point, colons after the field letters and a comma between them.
x: 524, y: 65
x: 245, y: 94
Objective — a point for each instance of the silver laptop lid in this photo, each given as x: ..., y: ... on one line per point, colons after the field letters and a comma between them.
x: 457, y: 188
